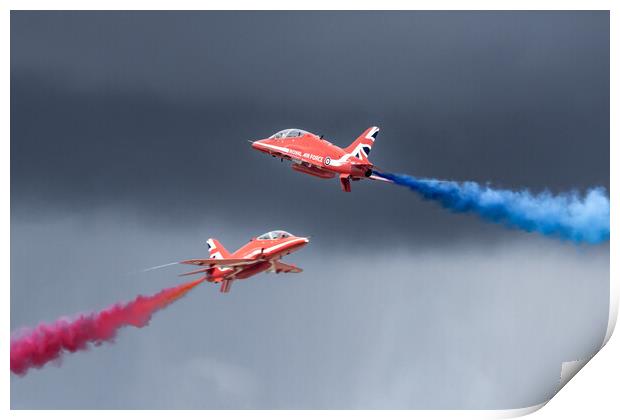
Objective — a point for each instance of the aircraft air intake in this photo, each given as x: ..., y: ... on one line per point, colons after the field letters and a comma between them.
x: 38, y: 346
x: 567, y: 216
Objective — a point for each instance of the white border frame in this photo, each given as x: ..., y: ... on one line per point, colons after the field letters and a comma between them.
x: 599, y: 382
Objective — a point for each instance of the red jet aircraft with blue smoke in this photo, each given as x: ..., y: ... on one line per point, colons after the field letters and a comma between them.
x: 313, y: 155
x: 260, y: 254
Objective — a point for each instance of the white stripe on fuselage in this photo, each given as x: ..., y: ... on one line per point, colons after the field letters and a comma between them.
x: 273, y: 248
x: 334, y: 162
x: 345, y: 158
x: 278, y: 148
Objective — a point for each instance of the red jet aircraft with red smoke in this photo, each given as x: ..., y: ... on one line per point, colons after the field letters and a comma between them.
x: 313, y: 155
x: 260, y: 254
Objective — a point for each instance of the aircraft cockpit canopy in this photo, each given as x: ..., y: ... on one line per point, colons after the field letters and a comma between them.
x: 275, y: 234
x: 289, y: 132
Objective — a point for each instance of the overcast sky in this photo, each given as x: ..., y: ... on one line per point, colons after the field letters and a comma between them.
x: 129, y: 148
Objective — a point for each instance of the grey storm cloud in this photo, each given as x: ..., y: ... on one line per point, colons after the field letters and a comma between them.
x: 152, y: 111
x: 451, y: 326
x: 129, y: 148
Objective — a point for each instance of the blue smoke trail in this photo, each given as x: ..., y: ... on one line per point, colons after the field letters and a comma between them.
x: 568, y: 216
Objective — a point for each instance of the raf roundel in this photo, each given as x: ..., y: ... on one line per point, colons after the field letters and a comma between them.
x: 327, y: 160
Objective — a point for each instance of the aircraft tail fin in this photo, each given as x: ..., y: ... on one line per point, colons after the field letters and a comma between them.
x: 362, y: 145
x: 217, y: 250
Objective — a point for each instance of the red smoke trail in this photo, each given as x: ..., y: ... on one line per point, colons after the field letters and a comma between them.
x: 36, y: 347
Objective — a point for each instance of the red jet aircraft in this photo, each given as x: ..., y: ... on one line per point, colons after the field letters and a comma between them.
x: 315, y: 156
x: 260, y: 254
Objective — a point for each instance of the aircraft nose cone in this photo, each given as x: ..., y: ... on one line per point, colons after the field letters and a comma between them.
x: 258, y: 145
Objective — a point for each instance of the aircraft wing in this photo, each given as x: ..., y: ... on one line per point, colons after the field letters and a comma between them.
x: 227, y: 262
x: 279, y: 267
